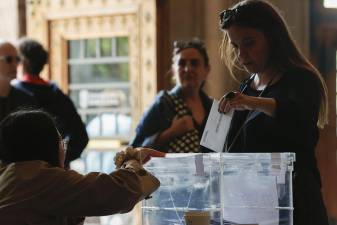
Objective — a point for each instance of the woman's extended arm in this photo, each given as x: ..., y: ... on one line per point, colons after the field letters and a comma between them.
x: 244, y: 102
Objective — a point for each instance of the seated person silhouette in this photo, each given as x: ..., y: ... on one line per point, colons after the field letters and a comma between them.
x: 35, y: 185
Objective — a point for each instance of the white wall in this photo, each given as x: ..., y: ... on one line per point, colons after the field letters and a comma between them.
x: 9, y: 20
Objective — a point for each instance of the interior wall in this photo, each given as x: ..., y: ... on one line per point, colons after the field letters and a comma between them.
x: 219, y: 80
x: 10, y: 25
x: 297, y: 16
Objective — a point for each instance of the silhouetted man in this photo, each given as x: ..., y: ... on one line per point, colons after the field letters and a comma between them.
x: 11, y: 98
x: 50, y: 97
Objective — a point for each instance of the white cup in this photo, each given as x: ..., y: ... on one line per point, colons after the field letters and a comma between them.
x: 197, y: 218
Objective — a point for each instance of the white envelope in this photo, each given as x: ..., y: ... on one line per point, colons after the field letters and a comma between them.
x: 216, y: 129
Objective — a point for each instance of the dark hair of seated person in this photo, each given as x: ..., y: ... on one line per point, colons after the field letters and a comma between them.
x: 28, y: 135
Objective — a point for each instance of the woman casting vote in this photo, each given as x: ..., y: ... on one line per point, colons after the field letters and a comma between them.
x: 281, y: 105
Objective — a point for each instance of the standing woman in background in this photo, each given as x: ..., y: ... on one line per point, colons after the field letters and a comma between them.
x: 281, y: 105
x: 176, y: 119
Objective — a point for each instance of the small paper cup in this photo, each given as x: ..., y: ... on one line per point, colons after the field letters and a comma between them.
x: 197, y: 218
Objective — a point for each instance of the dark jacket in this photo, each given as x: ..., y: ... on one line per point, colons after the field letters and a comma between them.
x: 16, y: 99
x: 54, y: 101
x: 159, y: 118
x: 292, y: 129
x: 33, y: 192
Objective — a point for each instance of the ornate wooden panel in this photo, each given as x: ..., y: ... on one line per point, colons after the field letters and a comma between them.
x: 54, y: 22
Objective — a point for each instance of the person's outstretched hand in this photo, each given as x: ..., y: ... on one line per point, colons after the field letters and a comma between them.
x: 140, y: 154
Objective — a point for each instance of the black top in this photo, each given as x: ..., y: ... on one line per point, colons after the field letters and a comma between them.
x: 294, y: 127
x: 15, y: 100
x: 54, y: 101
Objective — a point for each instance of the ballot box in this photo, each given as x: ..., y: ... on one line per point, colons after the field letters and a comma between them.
x: 221, y: 188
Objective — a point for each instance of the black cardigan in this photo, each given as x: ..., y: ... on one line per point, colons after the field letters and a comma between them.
x: 293, y: 129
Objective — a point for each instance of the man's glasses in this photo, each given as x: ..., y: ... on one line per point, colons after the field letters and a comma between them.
x: 10, y: 59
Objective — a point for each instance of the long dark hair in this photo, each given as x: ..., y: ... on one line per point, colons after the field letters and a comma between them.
x: 28, y: 135
x: 264, y: 17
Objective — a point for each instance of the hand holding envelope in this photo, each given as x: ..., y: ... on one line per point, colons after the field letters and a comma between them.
x: 216, y: 129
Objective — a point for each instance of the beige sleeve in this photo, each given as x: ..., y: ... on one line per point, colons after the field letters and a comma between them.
x: 67, y: 193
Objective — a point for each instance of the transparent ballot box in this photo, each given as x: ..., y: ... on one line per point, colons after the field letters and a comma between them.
x: 228, y: 188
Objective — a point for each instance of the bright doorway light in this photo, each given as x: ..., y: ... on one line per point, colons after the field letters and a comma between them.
x: 330, y: 3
